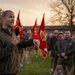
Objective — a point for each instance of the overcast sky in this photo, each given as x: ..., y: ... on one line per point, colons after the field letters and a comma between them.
x: 29, y: 10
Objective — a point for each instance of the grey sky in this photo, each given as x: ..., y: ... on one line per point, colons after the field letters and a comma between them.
x: 30, y: 9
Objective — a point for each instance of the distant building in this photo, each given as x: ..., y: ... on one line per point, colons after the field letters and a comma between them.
x: 52, y: 28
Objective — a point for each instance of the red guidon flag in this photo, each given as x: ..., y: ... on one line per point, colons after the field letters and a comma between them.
x: 35, y: 31
x: 18, y: 25
x: 43, y: 42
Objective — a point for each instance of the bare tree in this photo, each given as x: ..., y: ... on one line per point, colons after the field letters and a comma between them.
x: 64, y: 12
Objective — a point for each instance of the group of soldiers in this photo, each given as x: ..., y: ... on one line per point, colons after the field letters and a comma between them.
x: 28, y: 51
x: 62, y: 47
x: 62, y: 50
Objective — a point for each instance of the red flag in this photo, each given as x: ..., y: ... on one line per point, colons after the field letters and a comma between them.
x: 18, y: 25
x: 43, y: 42
x: 35, y: 31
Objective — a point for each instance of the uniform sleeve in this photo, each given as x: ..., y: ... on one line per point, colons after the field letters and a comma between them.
x: 70, y: 52
x: 24, y: 44
x: 55, y: 49
x: 51, y: 44
x: 48, y: 43
x: 5, y: 50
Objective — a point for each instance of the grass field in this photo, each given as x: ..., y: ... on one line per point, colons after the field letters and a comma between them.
x: 38, y: 66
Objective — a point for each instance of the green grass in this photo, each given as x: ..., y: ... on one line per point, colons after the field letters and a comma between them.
x: 38, y: 66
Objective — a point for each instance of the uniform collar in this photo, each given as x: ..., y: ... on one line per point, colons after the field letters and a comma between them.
x: 6, y: 31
